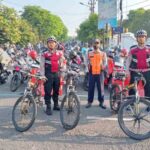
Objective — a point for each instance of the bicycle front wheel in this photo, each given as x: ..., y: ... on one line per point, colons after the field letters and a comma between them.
x: 70, y: 111
x: 15, y: 83
x: 115, y: 98
x: 24, y: 113
x: 134, y: 118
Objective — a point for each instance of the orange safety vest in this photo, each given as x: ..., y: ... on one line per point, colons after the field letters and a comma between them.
x: 96, y: 62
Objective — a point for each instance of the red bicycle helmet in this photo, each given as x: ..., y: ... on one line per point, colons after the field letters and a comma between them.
x: 33, y: 54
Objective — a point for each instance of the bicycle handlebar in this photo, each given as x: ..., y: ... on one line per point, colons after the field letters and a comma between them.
x: 140, y: 77
x: 36, y: 76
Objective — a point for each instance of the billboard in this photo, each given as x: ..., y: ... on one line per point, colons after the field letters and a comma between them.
x: 107, y: 10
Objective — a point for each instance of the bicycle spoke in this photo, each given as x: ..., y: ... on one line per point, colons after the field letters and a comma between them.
x: 24, y: 113
x: 146, y: 120
x: 134, y: 119
x: 70, y: 111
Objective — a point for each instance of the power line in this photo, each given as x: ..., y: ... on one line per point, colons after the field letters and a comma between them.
x: 136, y: 8
x: 137, y: 3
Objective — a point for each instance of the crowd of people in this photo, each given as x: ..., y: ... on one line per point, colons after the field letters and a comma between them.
x: 97, y: 63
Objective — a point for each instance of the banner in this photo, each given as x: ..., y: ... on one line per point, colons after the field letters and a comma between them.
x: 107, y: 10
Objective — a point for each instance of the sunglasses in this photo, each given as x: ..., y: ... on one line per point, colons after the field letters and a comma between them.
x: 96, y: 42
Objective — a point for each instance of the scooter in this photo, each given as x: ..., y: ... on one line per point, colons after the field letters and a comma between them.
x: 3, y: 74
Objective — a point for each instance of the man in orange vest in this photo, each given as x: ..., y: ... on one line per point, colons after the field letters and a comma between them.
x: 96, y: 65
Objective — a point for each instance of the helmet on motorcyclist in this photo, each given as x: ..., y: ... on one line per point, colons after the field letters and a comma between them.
x: 124, y: 52
x: 33, y: 54
x: 73, y: 54
x: 141, y: 33
x: 110, y: 53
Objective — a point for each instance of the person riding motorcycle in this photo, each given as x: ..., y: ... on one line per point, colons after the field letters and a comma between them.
x: 123, y: 56
x: 75, y: 61
x: 51, y: 64
x: 139, y: 61
x: 124, y: 52
x: 110, y: 65
x: 33, y: 54
x: 75, y: 58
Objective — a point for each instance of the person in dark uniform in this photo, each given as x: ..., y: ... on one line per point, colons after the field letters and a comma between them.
x: 51, y: 63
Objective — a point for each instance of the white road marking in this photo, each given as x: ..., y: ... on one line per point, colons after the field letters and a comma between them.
x: 106, y: 118
x: 20, y: 93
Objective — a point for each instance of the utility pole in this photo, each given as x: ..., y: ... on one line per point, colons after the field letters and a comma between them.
x: 91, y: 4
x: 121, y: 17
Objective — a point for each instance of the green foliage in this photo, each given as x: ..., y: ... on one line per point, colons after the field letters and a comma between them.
x: 88, y: 30
x: 27, y: 33
x: 8, y: 22
x: 13, y: 28
x: 138, y: 19
x: 34, y: 25
x: 45, y: 23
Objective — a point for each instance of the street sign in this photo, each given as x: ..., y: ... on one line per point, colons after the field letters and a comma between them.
x: 107, y: 10
x: 117, y: 30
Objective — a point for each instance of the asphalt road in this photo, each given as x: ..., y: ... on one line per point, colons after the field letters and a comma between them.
x: 97, y: 129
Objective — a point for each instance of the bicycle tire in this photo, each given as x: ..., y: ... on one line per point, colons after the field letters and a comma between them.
x: 77, y: 118
x: 14, y: 87
x: 17, y: 127
x: 112, y: 99
x: 122, y: 124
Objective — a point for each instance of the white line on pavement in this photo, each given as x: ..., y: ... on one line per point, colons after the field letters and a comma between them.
x: 107, y: 118
x: 19, y: 93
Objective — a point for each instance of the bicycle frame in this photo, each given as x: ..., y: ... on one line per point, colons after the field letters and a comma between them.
x: 137, y: 95
x: 70, y: 86
x: 33, y: 83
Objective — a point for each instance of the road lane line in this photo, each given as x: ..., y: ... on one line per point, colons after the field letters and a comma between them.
x: 107, y: 118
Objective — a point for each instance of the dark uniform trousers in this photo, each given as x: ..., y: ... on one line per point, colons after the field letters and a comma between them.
x: 94, y: 79
x: 147, y: 86
x: 52, y: 83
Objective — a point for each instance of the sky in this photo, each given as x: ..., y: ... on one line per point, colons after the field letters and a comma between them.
x: 71, y: 12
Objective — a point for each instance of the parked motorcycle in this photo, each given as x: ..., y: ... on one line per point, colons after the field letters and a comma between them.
x: 18, y: 77
x: 3, y: 74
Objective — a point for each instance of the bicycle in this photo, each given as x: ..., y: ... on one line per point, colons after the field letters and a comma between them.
x: 70, y: 105
x: 117, y: 94
x: 24, y: 117
x: 135, y: 109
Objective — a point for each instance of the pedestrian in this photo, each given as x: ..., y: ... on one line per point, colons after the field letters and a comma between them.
x: 51, y: 64
x: 96, y: 65
x: 84, y: 52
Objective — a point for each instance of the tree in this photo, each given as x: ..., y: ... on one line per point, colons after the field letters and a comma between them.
x: 27, y: 33
x: 44, y: 22
x: 13, y: 28
x: 9, y: 24
x: 88, y: 30
x: 138, y: 19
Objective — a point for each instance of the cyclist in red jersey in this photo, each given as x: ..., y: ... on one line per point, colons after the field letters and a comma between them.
x: 139, y: 61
